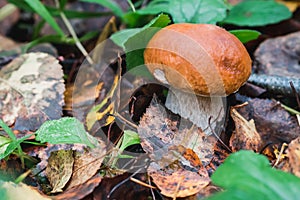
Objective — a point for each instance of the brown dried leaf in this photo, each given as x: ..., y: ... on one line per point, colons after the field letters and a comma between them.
x: 293, y: 154
x: 87, y: 164
x: 80, y: 191
x: 59, y: 169
x: 178, y: 182
x: 31, y: 91
x: 245, y: 135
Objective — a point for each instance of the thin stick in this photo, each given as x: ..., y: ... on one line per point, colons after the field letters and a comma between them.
x: 295, y: 93
x: 72, y: 32
x: 141, y: 183
x: 213, y: 131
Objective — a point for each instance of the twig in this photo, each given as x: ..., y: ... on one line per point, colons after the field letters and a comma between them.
x: 121, y: 183
x: 276, y: 84
x: 72, y: 32
x: 295, y: 94
x: 217, y: 136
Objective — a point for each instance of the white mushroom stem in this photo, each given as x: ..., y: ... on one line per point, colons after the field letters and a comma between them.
x: 208, y: 113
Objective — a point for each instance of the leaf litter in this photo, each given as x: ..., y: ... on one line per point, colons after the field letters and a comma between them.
x: 178, y: 155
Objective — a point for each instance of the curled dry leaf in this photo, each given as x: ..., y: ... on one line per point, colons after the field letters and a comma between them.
x: 31, y: 91
x: 59, y: 169
x: 293, y: 154
x: 245, y: 135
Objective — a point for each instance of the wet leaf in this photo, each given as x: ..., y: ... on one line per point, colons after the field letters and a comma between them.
x: 12, y: 191
x: 59, y: 169
x: 31, y: 91
x: 66, y: 130
x: 247, y: 175
x: 245, y: 135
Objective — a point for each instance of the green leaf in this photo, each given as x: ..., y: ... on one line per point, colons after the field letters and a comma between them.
x: 120, y: 37
x: 67, y: 130
x: 40, y: 9
x: 4, y: 142
x: 7, y: 130
x: 129, y: 138
x: 13, y: 145
x: 135, y: 45
x: 257, y: 13
x: 113, y: 6
x: 192, y: 11
x: 246, y: 175
x: 245, y: 35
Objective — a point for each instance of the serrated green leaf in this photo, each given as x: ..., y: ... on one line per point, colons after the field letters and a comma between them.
x: 129, y: 138
x: 192, y: 11
x: 257, y: 13
x: 246, y: 175
x: 245, y: 35
x: 67, y: 130
x: 113, y: 6
x: 135, y: 45
x: 39, y: 8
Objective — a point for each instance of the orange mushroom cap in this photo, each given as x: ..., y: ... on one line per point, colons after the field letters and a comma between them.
x: 203, y: 58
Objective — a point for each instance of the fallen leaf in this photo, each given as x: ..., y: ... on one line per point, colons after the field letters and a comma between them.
x: 270, y: 117
x: 80, y: 191
x: 59, y: 169
x: 293, y: 154
x: 177, y: 182
x: 86, y: 164
x: 279, y: 56
x: 178, y: 154
x: 12, y: 191
x: 245, y: 135
x: 31, y: 91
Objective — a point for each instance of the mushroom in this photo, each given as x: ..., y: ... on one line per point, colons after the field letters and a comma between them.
x: 201, y: 64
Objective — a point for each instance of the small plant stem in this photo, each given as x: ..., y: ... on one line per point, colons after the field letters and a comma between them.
x: 291, y: 110
x: 73, y: 34
x: 131, y: 5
